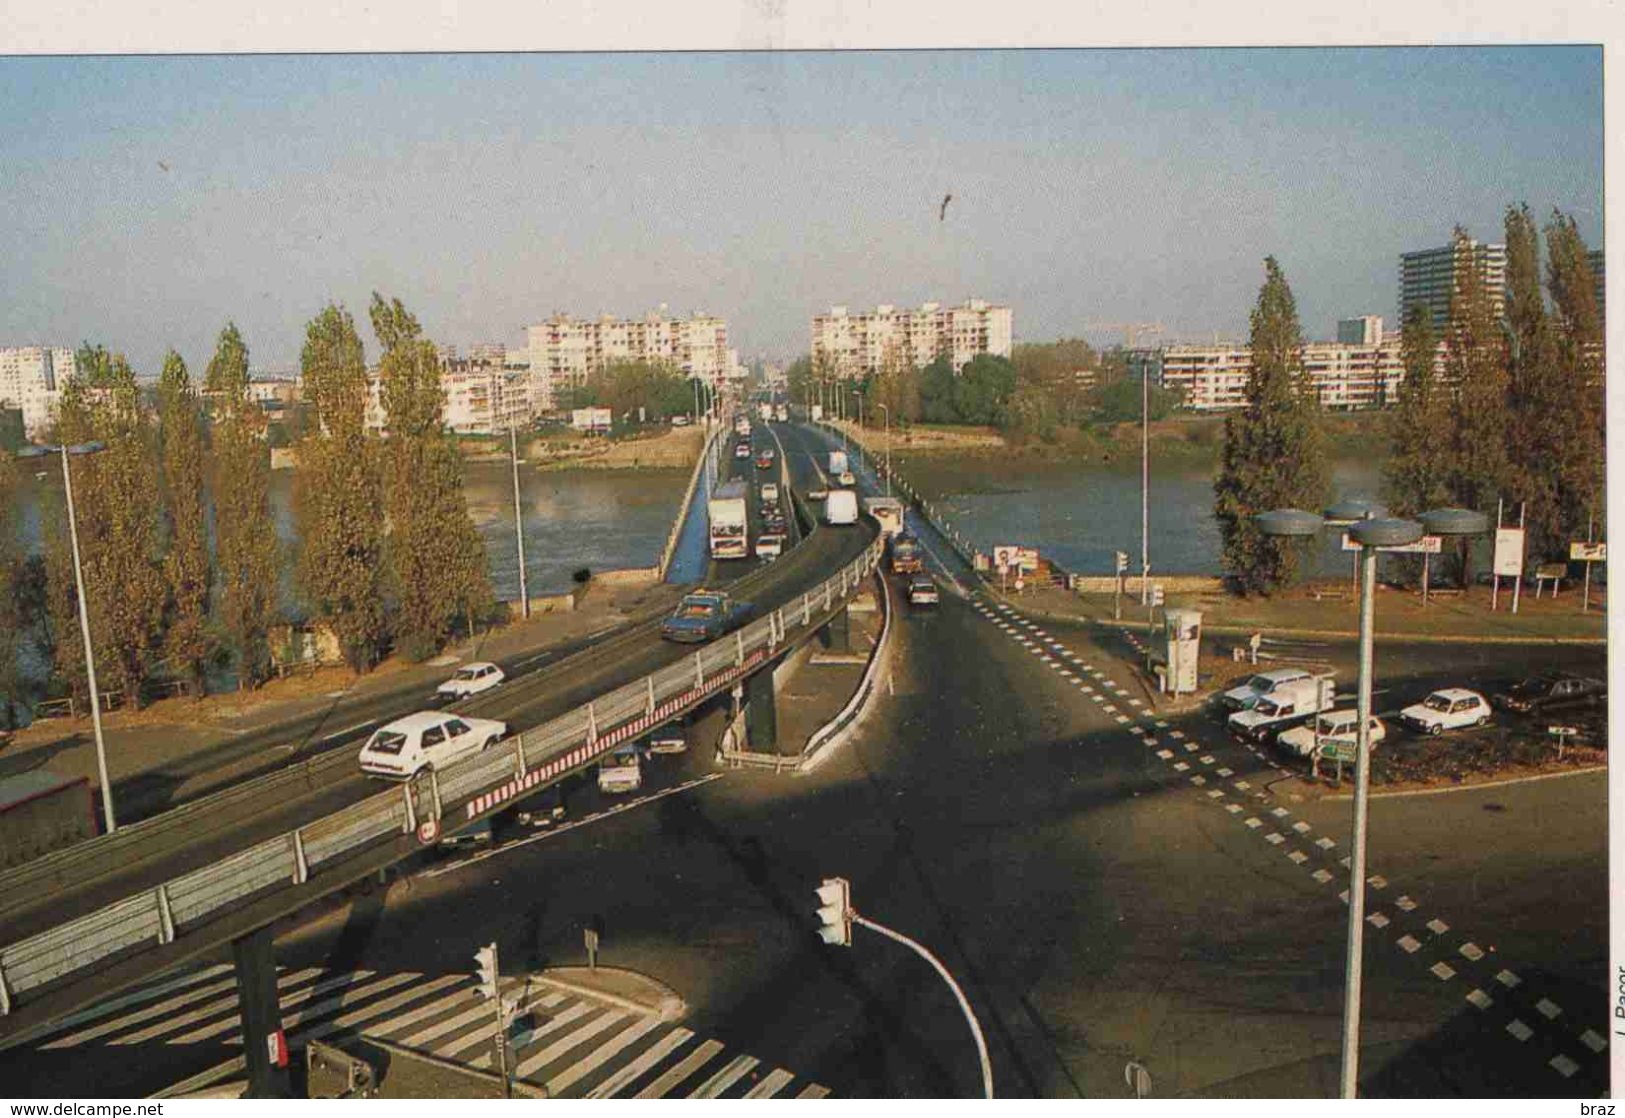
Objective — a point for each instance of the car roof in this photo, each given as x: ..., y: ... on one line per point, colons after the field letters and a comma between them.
x: 705, y: 596
x: 421, y: 720
x: 482, y: 664
x: 1454, y: 693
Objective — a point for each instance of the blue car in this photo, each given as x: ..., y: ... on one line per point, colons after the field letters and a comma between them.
x: 703, y: 616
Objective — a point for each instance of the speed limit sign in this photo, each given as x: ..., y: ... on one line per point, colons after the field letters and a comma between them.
x: 428, y: 831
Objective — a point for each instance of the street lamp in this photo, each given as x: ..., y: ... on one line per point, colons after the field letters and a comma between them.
x: 1372, y: 535
x: 80, y: 450
x: 887, y: 410
x: 518, y: 520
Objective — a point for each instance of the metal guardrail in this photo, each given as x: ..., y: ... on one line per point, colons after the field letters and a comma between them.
x: 473, y: 785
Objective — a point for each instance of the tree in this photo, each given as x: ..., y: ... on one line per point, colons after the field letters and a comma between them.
x: 897, y: 386
x: 12, y: 617
x: 1122, y: 401
x: 1576, y: 397
x: 1416, y: 471
x: 245, y: 534
x: 187, y: 642
x: 338, y: 495
x: 1051, y: 370
x: 1475, y: 366
x: 983, y: 389
x: 436, y: 556
x: 1273, y: 454
x: 117, y: 509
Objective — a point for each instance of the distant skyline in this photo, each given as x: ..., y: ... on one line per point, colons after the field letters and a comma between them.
x: 153, y: 199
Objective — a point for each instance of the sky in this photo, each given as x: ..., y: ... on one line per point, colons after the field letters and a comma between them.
x: 150, y: 200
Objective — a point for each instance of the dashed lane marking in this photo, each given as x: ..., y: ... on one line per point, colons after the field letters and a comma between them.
x: 1479, y: 999
x: 1518, y: 1029
x: 1410, y: 944
x: 1438, y: 927
x: 1444, y: 971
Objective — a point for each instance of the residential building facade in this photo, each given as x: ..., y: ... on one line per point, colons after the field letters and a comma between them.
x: 1346, y: 376
x: 565, y: 351
x: 31, y: 380
x: 859, y: 344
x: 1428, y: 278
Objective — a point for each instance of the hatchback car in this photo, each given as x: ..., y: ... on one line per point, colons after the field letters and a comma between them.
x: 742, y: 450
x: 769, y: 545
x: 622, y: 771
x: 1451, y: 708
x: 922, y: 590
x: 427, y: 740
x: 770, y: 492
x: 1338, y: 727
x: 703, y: 616
x: 471, y: 679
x: 671, y: 739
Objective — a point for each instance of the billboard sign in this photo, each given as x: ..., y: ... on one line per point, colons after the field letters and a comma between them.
x: 1004, y: 556
x: 1027, y: 558
x: 1509, y: 551
x: 1588, y: 552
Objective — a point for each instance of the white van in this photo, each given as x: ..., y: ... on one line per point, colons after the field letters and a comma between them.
x: 841, y: 507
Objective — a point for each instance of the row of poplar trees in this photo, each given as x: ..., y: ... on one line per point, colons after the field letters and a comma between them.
x: 1493, y: 408
x: 180, y: 554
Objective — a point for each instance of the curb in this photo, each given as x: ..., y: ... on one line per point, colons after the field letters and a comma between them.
x: 851, y: 716
x: 665, y: 1002
x: 1345, y: 797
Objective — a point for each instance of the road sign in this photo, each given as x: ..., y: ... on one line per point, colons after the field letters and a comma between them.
x: 428, y: 831
x: 1004, y: 555
x: 1427, y: 545
x: 1588, y: 552
x: 1509, y: 551
x: 1339, y: 751
x: 1027, y: 558
x: 1559, y: 731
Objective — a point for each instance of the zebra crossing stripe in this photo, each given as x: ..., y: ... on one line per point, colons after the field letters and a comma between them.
x: 434, y: 1032
x: 658, y: 1051
x: 428, y: 1009
x: 775, y: 1081
x: 537, y: 1031
x: 690, y: 1064
x: 209, y: 1009
x: 349, y: 997
x: 603, y: 1054
x: 575, y: 1037
x: 232, y: 1018
x: 404, y: 997
x: 113, y: 1025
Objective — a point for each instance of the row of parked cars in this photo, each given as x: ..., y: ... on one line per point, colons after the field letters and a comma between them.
x: 1294, y: 708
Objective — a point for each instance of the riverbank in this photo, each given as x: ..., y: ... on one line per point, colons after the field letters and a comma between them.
x: 662, y: 448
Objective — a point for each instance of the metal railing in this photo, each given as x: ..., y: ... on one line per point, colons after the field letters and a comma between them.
x: 471, y: 787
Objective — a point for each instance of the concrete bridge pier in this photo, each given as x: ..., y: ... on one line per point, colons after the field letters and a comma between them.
x: 837, y: 634
x: 265, y: 1047
x: 761, y: 713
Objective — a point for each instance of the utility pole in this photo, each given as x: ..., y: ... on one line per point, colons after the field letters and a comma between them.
x: 1145, y: 484
x: 519, y: 522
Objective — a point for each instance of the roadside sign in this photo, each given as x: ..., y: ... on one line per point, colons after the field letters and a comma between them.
x: 1004, y: 555
x: 1509, y: 551
x: 1156, y: 593
x: 1588, y: 552
x: 1427, y: 545
x: 1559, y: 731
x: 1338, y: 751
x: 428, y: 831
x: 1027, y: 558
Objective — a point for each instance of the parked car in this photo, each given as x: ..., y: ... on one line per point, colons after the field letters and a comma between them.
x: 1247, y: 695
x: 621, y: 772
x: 922, y: 590
x: 1551, y: 691
x: 1338, y: 727
x: 471, y: 679
x: 703, y: 616
x: 770, y: 492
x: 679, y: 421
x: 427, y: 740
x: 475, y: 835
x: 1450, y: 708
x: 668, y: 739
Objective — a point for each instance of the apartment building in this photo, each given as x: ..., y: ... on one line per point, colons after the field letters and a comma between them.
x: 1346, y: 375
x: 858, y: 344
x: 1428, y: 278
x: 31, y: 380
x: 484, y: 393
x: 565, y: 351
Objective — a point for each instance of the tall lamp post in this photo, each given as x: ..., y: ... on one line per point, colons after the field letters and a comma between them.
x: 887, y: 410
x: 66, y: 452
x: 518, y: 520
x: 1372, y: 534
x: 1145, y: 486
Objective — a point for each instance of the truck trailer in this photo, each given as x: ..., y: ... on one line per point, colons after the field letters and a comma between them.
x: 729, y: 527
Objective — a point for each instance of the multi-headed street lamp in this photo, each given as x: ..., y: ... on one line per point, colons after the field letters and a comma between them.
x: 1372, y: 533
x: 76, y: 451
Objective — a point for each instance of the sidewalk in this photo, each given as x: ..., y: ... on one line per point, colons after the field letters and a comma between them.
x: 167, y: 747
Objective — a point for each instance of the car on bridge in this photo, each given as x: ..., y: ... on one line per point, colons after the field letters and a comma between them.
x: 426, y: 741
x: 764, y: 460
x: 471, y: 679
x: 770, y: 493
x: 770, y: 545
x: 668, y: 739
x: 702, y: 616
x: 742, y: 450
x: 922, y: 590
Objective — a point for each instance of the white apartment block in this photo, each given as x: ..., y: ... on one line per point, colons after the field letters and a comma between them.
x: 1429, y: 277
x: 858, y: 343
x: 565, y: 351
x: 32, y: 379
x: 1347, y: 376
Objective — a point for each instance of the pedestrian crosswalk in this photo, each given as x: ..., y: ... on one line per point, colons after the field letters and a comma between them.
x: 564, y: 1041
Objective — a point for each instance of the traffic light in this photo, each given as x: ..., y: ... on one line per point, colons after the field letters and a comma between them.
x: 835, y: 911
x: 485, y: 959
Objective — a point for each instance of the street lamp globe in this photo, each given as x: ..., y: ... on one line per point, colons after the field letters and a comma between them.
x: 1288, y: 523
x: 1455, y: 522
x: 1348, y: 511
x: 1385, y: 532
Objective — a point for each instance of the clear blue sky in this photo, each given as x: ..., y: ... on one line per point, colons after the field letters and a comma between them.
x: 150, y: 200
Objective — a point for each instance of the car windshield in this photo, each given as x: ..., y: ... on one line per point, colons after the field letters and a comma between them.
x: 1260, y: 683
x: 1437, y: 702
x: 697, y: 609
x: 387, y: 741
x: 625, y: 757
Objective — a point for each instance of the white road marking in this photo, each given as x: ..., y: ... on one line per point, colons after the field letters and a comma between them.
x: 1297, y: 857
x: 1376, y: 919
x: 1479, y: 998
x: 1563, y: 1065
x: 1593, y: 1041
x: 686, y: 1067
x: 1548, y: 1009
x: 602, y: 1055
x: 662, y: 1048
x: 1274, y: 839
x: 1322, y: 876
x: 1518, y: 1029
x: 1508, y: 979
x: 1410, y: 943
x: 1438, y: 927
x: 1444, y: 971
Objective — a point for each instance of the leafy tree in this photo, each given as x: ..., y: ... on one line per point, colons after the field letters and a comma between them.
x: 1576, y: 398
x: 1273, y: 455
x: 1050, y: 370
x: 117, y: 508
x: 937, y: 404
x: 187, y: 641
x: 983, y: 389
x: 245, y: 535
x: 1122, y: 401
x: 12, y: 435
x: 897, y: 386
x: 337, y: 493
x: 1475, y: 366
x: 436, y: 556
x: 13, y: 620
x: 1416, y: 471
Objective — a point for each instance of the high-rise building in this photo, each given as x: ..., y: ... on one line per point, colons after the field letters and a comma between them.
x: 32, y: 379
x: 1596, y: 259
x: 1428, y: 278
x: 858, y: 344
x: 1365, y: 330
x: 565, y: 351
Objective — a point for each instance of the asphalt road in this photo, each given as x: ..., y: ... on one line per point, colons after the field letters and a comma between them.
x: 1097, y: 903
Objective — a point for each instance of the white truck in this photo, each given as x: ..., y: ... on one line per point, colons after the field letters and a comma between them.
x: 1287, y: 705
x: 888, y: 511
x: 841, y: 507
x: 729, y: 527
x: 592, y: 421
x: 837, y: 463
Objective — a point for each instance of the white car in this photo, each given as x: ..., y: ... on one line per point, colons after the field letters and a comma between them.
x: 1448, y: 709
x: 427, y: 740
x: 471, y: 679
x: 1247, y: 695
x: 770, y: 493
x: 669, y: 740
x: 847, y: 479
x: 621, y: 772
x: 1338, y: 727
x: 769, y: 545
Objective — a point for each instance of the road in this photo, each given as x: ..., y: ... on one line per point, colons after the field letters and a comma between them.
x: 1095, y: 897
